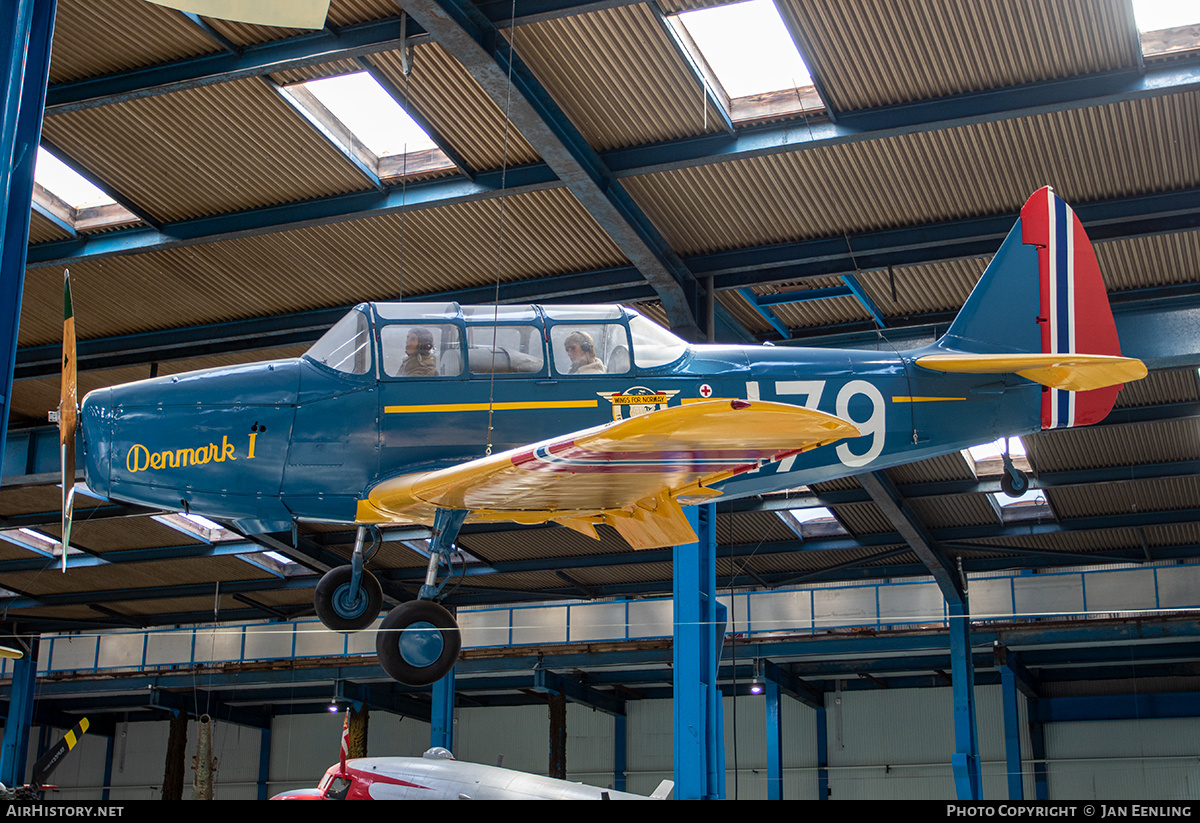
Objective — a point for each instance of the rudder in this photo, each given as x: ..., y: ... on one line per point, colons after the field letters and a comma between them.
x: 1063, y: 310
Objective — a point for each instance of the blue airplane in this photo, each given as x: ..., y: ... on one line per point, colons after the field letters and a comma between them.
x: 441, y: 414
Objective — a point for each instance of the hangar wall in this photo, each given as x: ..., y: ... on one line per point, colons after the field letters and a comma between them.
x: 883, y: 745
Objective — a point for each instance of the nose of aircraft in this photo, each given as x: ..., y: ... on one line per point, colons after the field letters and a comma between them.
x: 95, y: 421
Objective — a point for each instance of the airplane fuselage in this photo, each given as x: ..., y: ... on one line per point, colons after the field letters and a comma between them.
x: 306, y: 438
x: 438, y: 776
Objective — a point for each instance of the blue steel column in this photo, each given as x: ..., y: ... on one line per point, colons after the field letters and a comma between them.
x: 619, y: 750
x: 110, y: 748
x: 699, y: 628
x: 264, y: 762
x: 822, y: 756
x: 1037, y: 747
x: 441, y: 713
x: 15, y: 751
x: 771, y: 692
x: 965, y: 760
x: 1012, y: 733
x: 26, y: 29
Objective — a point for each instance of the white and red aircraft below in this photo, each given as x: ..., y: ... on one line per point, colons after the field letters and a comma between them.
x: 436, y: 775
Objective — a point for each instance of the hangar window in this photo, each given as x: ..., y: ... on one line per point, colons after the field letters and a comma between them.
x: 1168, y: 28
x: 364, y: 120
x: 747, y: 55
x: 63, y: 195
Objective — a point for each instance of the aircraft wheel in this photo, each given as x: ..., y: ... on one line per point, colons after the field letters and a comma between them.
x: 418, y: 643
x: 343, y: 609
x: 1014, y: 483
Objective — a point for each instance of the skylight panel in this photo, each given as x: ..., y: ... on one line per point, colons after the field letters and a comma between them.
x: 370, y: 112
x: 988, y: 451
x: 366, y: 122
x: 1154, y: 15
x: 70, y: 198
x: 753, y: 57
x: 64, y: 182
x: 1167, y: 27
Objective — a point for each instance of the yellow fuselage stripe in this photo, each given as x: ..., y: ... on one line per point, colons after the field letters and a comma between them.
x: 904, y: 399
x: 457, y: 407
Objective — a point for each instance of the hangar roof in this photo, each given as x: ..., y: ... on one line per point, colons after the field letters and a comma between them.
x: 608, y: 171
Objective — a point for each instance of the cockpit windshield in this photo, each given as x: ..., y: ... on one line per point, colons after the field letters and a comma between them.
x: 347, y: 346
x: 652, y: 344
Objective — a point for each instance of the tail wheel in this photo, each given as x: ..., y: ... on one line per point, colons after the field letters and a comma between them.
x: 1014, y: 482
x: 418, y: 643
x: 346, y: 609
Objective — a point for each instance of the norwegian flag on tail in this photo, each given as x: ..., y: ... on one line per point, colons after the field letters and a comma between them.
x: 1075, y: 316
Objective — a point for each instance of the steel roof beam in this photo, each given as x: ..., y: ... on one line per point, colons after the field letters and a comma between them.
x: 235, y: 63
x: 319, y: 212
x: 223, y: 67
x: 473, y: 40
x: 894, y: 507
x: 1032, y: 99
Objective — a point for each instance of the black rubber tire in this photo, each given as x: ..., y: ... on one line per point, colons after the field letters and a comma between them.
x: 399, y: 624
x: 342, y: 620
x: 1014, y: 483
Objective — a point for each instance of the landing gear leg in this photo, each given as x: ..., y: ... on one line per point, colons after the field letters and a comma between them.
x: 418, y: 642
x: 1013, y: 482
x: 348, y: 598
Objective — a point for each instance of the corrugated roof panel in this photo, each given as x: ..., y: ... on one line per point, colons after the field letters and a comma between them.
x: 1118, y: 150
x: 37, y: 499
x: 739, y: 307
x: 802, y: 562
x: 752, y: 527
x: 863, y: 518
x: 95, y: 39
x: 1158, y: 260
x: 617, y: 76
x: 42, y: 230
x: 116, y: 534
x: 921, y: 289
x: 152, y: 575
x: 256, y: 151
x: 1173, y: 386
x: 1071, y: 541
x: 456, y: 108
x: 305, y: 73
x: 544, y: 233
x: 878, y: 52
x: 1156, y: 494
x: 816, y: 313
x: 523, y: 544
x: 1161, y: 441
x: 946, y: 467
x: 949, y: 510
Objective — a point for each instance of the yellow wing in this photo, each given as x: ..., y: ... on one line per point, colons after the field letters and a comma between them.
x: 1072, y: 372
x: 632, y: 474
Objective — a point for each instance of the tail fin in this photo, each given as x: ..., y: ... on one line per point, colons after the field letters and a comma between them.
x: 1056, y: 328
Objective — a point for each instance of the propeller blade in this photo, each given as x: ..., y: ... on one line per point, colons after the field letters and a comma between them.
x: 50, y: 760
x: 11, y: 652
x: 295, y: 14
x: 68, y: 414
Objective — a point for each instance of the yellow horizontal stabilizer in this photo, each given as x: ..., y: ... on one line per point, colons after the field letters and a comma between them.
x: 1071, y: 372
x: 627, y: 473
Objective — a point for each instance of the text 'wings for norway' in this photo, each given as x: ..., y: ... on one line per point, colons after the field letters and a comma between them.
x: 633, y: 474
